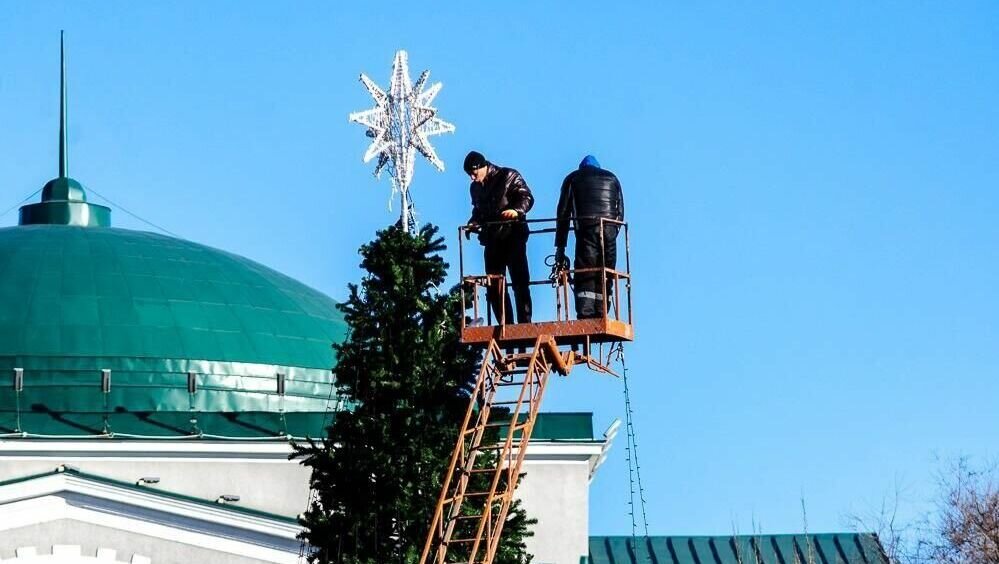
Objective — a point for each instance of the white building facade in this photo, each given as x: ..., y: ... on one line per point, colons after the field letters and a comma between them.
x: 174, y: 502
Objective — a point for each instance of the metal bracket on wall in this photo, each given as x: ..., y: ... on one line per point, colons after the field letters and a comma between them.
x: 106, y: 391
x: 18, y: 383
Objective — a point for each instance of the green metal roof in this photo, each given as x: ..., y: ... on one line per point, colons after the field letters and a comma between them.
x: 828, y: 548
x: 565, y: 426
x: 150, y: 308
x: 233, y: 425
x: 167, y: 425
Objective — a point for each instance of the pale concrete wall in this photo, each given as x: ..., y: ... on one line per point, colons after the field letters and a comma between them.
x: 555, y: 491
x: 280, y: 487
x: 91, y: 537
x: 557, y: 495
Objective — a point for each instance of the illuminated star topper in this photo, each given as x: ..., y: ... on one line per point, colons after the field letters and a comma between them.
x: 399, y: 125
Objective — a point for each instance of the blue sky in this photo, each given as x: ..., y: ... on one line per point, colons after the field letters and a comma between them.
x: 811, y: 189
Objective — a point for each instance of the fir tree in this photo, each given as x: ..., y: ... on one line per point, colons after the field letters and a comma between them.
x: 407, y: 377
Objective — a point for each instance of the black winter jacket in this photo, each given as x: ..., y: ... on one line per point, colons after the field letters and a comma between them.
x: 503, y: 189
x: 589, y: 192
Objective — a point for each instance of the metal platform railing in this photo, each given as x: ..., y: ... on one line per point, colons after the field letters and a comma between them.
x: 614, y: 316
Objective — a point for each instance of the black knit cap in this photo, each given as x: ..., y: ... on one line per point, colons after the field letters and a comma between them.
x: 474, y: 160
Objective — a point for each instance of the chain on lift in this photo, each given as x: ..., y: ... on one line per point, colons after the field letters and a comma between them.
x: 631, y: 450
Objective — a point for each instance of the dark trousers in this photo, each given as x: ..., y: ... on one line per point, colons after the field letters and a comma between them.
x: 589, y: 290
x: 500, y: 256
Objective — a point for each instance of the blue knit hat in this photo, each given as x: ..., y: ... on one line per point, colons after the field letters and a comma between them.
x: 589, y: 160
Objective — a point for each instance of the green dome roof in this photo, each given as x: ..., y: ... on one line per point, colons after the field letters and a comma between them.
x: 108, y: 331
x: 150, y: 308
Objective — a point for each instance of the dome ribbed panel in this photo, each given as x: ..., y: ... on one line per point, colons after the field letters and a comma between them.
x: 150, y: 308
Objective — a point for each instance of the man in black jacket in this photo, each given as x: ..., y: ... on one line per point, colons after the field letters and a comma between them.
x: 589, y: 194
x: 500, y: 202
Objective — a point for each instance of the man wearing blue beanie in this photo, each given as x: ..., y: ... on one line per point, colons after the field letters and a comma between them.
x: 588, y: 195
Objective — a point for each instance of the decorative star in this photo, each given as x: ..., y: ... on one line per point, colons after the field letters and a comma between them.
x: 401, y: 124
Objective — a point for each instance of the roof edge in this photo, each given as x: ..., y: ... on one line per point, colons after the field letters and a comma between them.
x: 71, y: 471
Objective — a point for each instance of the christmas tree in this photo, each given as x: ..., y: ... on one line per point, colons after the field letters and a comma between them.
x: 406, y: 376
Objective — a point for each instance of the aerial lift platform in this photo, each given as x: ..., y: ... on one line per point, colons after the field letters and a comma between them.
x: 478, y: 486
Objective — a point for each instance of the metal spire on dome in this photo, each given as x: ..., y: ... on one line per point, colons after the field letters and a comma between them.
x: 64, y: 201
x: 63, y: 152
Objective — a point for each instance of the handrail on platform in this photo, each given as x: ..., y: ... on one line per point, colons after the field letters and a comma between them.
x: 614, y: 323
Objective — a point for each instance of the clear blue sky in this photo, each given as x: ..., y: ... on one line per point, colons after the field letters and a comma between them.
x: 812, y: 189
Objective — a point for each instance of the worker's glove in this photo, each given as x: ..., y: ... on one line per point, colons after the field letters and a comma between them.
x: 561, y: 261
x: 471, y: 228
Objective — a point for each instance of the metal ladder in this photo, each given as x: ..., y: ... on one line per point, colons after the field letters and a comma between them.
x: 467, y: 525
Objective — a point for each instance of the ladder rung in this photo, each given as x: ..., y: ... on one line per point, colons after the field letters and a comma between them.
x: 449, y: 501
x: 519, y: 356
x: 506, y: 384
x: 473, y: 494
x: 474, y: 470
x: 516, y: 427
x: 488, y: 447
x: 504, y: 424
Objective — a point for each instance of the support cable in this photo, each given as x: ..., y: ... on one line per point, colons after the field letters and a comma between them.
x: 136, y: 216
x: 631, y: 450
x: 17, y: 205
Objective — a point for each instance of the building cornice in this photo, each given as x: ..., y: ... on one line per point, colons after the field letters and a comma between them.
x: 256, y: 451
x: 68, y: 495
